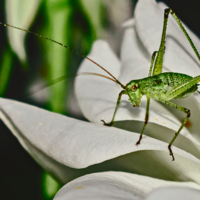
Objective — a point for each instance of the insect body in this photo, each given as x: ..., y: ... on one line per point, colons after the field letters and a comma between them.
x: 161, y: 86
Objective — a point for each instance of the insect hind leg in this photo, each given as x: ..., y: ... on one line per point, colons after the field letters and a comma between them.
x: 176, y: 134
x: 152, y: 62
x: 185, y: 110
x: 167, y: 11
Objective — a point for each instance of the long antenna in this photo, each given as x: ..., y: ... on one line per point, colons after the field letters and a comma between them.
x: 67, y: 48
x: 61, y: 78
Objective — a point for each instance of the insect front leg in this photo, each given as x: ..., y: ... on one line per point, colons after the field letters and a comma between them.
x: 146, y: 120
x: 118, y: 101
x: 185, y: 110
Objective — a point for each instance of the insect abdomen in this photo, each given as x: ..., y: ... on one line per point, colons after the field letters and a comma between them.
x: 173, y: 79
x: 158, y: 86
x: 170, y: 81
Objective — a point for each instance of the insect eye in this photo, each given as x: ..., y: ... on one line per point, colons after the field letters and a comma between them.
x: 134, y: 87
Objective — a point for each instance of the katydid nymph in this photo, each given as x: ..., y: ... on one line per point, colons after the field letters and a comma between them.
x: 162, y: 87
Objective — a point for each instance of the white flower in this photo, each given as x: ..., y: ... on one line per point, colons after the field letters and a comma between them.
x: 24, y: 19
x: 69, y: 148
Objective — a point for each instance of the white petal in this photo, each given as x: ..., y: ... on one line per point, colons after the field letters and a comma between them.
x: 174, y: 193
x: 97, y: 94
x: 21, y: 14
x: 179, y: 55
x: 128, y: 23
x: 60, y: 144
x: 116, y: 185
x: 135, y: 62
x: 134, y: 65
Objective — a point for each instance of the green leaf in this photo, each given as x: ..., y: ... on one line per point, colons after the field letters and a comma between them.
x: 49, y: 186
x: 5, y: 69
x: 92, y: 10
x: 58, y: 27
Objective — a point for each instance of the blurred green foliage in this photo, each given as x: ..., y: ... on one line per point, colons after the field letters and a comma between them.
x: 26, y: 59
x: 49, y: 186
x: 6, y: 64
x: 73, y: 23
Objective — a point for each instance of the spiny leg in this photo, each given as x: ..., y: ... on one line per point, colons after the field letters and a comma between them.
x: 185, y: 110
x: 159, y: 59
x: 118, y: 101
x: 146, y: 120
x: 168, y: 10
x: 152, y: 62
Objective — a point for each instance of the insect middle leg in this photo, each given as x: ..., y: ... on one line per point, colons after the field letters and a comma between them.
x: 185, y: 110
x: 146, y: 120
x: 148, y: 98
x: 118, y: 101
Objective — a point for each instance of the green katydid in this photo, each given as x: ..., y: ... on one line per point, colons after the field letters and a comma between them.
x: 162, y: 87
